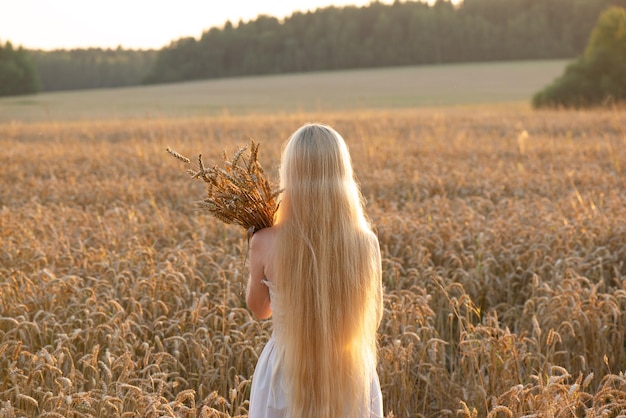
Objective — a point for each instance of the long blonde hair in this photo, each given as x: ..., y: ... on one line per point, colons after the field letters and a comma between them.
x: 327, y: 263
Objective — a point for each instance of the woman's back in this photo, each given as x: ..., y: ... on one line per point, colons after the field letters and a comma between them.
x: 323, y: 264
x: 271, y: 393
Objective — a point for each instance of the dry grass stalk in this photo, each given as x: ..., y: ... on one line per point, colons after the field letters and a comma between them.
x: 239, y: 192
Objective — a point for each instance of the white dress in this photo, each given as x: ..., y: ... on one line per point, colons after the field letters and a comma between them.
x: 268, y: 397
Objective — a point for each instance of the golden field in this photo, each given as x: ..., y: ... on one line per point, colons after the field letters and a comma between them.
x: 503, y: 236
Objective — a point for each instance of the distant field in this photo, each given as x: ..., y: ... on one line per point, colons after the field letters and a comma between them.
x: 399, y: 87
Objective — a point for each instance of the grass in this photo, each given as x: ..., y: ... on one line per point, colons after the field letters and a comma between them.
x: 384, y: 88
x: 503, y: 256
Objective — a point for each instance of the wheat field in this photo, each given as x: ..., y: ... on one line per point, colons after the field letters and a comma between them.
x: 503, y: 237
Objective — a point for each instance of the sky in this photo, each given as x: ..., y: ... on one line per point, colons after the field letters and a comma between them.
x: 136, y: 24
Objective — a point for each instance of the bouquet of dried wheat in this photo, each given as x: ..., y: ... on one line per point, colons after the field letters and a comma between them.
x: 238, y: 192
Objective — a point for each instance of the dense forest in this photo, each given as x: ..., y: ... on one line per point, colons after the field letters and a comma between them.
x: 17, y: 72
x: 402, y: 33
x: 92, y: 68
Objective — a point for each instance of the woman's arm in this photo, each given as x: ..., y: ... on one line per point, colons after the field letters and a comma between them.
x: 257, y: 293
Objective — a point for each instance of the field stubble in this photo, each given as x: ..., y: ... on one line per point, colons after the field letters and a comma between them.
x: 503, y: 240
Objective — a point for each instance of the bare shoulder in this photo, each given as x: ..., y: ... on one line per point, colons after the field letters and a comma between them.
x: 263, y: 238
x: 373, y: 244
x: 262, y: 250
x: 372, y: 237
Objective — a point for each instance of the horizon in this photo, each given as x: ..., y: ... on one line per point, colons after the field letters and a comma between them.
x: 138, y: 25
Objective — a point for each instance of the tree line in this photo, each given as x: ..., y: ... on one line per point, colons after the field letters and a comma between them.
x: 24, y: 72
x: 92, y: 68
x: 17, y: 73
x: 402, y: 33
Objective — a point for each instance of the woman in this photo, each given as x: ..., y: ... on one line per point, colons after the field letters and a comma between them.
x: 317, y: 271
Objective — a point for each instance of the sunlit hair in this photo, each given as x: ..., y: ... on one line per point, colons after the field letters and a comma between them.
x: 327, y: 264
